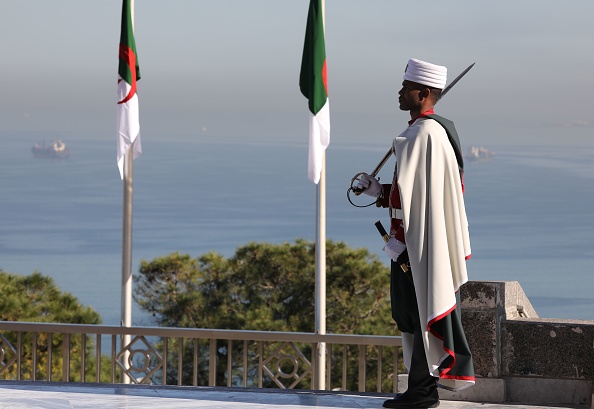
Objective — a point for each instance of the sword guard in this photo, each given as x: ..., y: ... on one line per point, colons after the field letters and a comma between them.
x: 355, y: 189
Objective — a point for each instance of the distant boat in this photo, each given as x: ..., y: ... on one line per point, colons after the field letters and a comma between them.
x: 478, y: 153
x: 56, y: 149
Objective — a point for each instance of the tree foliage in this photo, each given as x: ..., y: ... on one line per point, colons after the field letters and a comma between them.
x: 267, y: 287
x: 36, y: 298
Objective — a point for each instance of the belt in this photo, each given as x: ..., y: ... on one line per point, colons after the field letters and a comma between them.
x: 396, y: 213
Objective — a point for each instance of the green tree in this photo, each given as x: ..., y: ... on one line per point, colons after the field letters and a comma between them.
x: 267, y: 287
x: 36, y: 298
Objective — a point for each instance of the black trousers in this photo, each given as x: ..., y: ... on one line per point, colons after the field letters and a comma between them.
x: 405, y: 312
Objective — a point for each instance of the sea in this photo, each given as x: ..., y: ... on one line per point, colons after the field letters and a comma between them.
x: 530, y: 210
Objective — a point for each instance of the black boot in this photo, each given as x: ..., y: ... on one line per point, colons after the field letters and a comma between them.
x: 412, y: 400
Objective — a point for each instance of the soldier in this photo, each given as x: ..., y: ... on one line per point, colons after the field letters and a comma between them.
x: 429, y: 242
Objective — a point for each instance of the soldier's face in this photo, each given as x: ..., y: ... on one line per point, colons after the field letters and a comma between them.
x: 408, y: 96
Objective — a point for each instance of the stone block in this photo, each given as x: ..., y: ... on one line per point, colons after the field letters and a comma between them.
x: 548, y: 391
x: 484, y: 390
x: 480, y: 328
x: 516, y: 303
x: 479, y: 295
x: 547, y: 348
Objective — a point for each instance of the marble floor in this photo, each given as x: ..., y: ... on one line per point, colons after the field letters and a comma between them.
x: 35, y: 395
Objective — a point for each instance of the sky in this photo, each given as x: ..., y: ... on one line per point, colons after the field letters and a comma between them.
x: 229, y: 69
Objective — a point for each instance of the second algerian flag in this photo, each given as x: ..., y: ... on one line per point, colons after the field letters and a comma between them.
x: 314, y: 86
x: 128, y: 115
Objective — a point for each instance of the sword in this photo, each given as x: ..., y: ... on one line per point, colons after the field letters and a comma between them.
x: 382, y: 231
x: 386, y: 238
x: 458, y: 78
x: 391, y: 151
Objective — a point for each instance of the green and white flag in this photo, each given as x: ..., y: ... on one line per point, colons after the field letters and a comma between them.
x: 314, y: 86
x: 128, y: 74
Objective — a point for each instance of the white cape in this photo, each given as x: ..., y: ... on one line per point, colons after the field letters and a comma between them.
x: 436, y: 232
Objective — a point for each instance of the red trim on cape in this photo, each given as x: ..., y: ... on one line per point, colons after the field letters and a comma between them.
x: 444, y: 372
x: 462, y: 378
x: 439, y: 317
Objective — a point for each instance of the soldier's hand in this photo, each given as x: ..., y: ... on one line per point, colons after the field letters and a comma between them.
x: 369, y: 185
x: 394, y: 248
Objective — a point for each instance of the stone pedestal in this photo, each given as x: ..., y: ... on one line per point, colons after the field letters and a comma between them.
x: 519, y: 357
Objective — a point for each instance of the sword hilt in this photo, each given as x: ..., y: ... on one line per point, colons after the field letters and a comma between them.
x: 373, y: 173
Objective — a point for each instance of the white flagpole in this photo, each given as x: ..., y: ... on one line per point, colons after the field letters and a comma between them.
x: 320, y: 376
x: 126, y: 296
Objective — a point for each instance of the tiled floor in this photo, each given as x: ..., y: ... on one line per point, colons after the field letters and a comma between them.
x: 36, y: 395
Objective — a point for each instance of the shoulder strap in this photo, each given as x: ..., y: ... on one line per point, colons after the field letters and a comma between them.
x: 452, y: 136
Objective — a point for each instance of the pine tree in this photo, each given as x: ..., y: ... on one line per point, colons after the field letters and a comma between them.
x: 36, y: 298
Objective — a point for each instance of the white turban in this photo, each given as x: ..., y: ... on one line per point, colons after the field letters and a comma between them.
x: 426, y: 73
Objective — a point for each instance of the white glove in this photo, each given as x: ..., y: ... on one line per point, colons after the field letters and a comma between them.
x: 369, y: 185
x: 394, y: 248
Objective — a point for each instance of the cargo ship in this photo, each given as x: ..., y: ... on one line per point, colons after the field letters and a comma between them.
x: 56, y: 149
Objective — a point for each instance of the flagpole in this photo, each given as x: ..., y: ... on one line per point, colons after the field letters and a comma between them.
x: 313, y: 85
x: 126, y: 296
x: 320, y: 377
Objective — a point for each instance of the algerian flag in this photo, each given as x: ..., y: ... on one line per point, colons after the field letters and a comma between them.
x: 314, y: 86
x: 128, y: 74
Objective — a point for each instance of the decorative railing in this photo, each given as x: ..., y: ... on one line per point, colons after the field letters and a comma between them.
x: 198, y: 357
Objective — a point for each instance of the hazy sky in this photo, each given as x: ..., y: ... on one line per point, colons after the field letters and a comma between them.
x: 230, y: 68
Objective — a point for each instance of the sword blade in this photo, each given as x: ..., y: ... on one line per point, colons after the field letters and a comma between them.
x: 458, y: 78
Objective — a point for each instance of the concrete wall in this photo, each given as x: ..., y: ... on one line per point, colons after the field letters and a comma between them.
x: 520, y: 357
